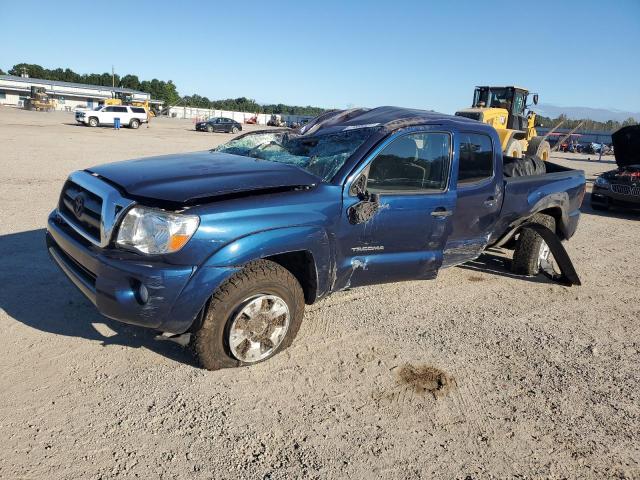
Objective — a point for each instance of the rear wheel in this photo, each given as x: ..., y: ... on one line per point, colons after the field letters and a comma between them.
x: 539, y: 147
x: 251, y: 317
x: 531, y: 250
x: 134, y: 123
x: 514, y: 148
x: 93, y: 122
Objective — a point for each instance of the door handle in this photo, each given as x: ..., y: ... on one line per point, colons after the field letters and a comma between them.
x: 490, y: 202
x: 441, y: 212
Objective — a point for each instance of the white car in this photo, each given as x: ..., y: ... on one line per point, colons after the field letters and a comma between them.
x: 106, y: 115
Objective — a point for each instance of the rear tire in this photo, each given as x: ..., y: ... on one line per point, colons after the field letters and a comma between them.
x: 211, y: 341
x: 514, y: 148
x: 93, y: 122
x: 134, y: 123
x: 540, y: 148
x: 529, y: 246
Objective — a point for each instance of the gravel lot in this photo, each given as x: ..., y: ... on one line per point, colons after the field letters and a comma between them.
x: 543, y: 380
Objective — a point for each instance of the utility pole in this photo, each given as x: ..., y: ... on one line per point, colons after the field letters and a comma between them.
x: 113, y: 77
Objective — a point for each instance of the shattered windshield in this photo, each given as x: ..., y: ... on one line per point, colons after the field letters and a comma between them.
x: 321, y: 155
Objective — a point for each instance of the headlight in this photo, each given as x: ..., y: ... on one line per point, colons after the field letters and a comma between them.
x: 154, y: 231
x: 602, y: 182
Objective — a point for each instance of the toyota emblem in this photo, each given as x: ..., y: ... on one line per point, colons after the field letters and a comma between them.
x: 78, y: 205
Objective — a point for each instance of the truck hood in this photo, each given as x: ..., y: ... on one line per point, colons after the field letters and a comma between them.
x: 193, y: 177
x: 626, y: 145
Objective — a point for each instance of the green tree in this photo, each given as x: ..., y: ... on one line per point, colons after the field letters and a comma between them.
x: 130, y: 81
x: 34, y: 71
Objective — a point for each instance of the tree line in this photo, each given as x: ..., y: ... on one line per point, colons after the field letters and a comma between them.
x: 158, y: 89
x: 167, y: 92
x: 587, y: 125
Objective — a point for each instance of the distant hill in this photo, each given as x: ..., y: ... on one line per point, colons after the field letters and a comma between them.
x: 579, y: 113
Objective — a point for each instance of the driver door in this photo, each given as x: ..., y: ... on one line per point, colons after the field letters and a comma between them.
x: 404, y: 237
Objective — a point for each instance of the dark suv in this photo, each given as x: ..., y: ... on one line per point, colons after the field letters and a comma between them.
x: 219, y: 125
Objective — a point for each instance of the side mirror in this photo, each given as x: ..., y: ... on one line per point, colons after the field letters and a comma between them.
x: 535, y: 98
x: 368, y: 205
x: 359, y: 187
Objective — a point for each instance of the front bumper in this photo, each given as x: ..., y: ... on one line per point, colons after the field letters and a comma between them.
x: 604, y: 196
x: 176, y: 294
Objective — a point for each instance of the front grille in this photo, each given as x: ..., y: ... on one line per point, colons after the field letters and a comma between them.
x: 82, y: 207
x: 625, y: 189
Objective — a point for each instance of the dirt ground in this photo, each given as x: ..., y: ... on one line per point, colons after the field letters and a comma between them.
x: 478, y: 374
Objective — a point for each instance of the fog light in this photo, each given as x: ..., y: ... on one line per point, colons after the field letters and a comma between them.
x: 143, y: 294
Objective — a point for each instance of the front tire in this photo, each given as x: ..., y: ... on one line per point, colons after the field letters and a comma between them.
x: 93, y: 122
x: 531, y: 249
x: 539, y: 147
x: 234, y: 130
x: 514, y: 148
x: 209, y: 129
x: 252, y: 316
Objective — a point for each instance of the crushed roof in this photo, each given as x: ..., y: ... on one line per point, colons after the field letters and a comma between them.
x: 391, y: 117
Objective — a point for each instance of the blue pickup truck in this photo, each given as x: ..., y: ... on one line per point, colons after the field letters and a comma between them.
x: 227, y: 246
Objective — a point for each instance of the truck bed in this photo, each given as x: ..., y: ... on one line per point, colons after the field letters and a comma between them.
x: 559, y: 192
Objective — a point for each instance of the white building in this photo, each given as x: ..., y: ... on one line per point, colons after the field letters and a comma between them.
x: 199, y: 114
x: 15, y: 90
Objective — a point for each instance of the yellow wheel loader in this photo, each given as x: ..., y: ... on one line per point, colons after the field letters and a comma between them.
x: 40, y: 101
x: 505, y: 109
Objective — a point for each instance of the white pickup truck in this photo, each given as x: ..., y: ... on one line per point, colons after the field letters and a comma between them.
x: 106, y: 115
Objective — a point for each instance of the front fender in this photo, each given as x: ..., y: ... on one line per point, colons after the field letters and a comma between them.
x: 230, y: 259
x: 312, y: 239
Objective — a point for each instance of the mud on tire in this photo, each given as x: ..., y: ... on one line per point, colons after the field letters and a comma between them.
x: 526, y: 260
x: 210, y: 339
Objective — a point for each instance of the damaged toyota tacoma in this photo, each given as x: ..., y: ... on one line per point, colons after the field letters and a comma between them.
x: 227, y: 246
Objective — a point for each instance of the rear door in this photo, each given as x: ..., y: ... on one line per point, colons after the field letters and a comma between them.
x: 479, y: 199
x: 123, y: 114
x: 404, y: 238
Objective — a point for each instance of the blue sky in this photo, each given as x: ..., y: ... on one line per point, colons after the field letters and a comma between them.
x: 422, y: 54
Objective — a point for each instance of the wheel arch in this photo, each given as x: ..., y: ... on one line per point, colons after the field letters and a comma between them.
x: 302, y: 265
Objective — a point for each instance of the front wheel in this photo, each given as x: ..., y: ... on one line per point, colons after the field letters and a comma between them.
x: 234, y: 130
x: 93, y: 122
x: 209, y: 129
x: 531, y: 251
x: 514, y: 148
x: 539, y: 147
x: 251, y: 317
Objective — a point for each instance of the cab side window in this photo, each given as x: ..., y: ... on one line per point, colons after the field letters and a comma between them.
x: 417, y: 162
x: 476, y: 158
